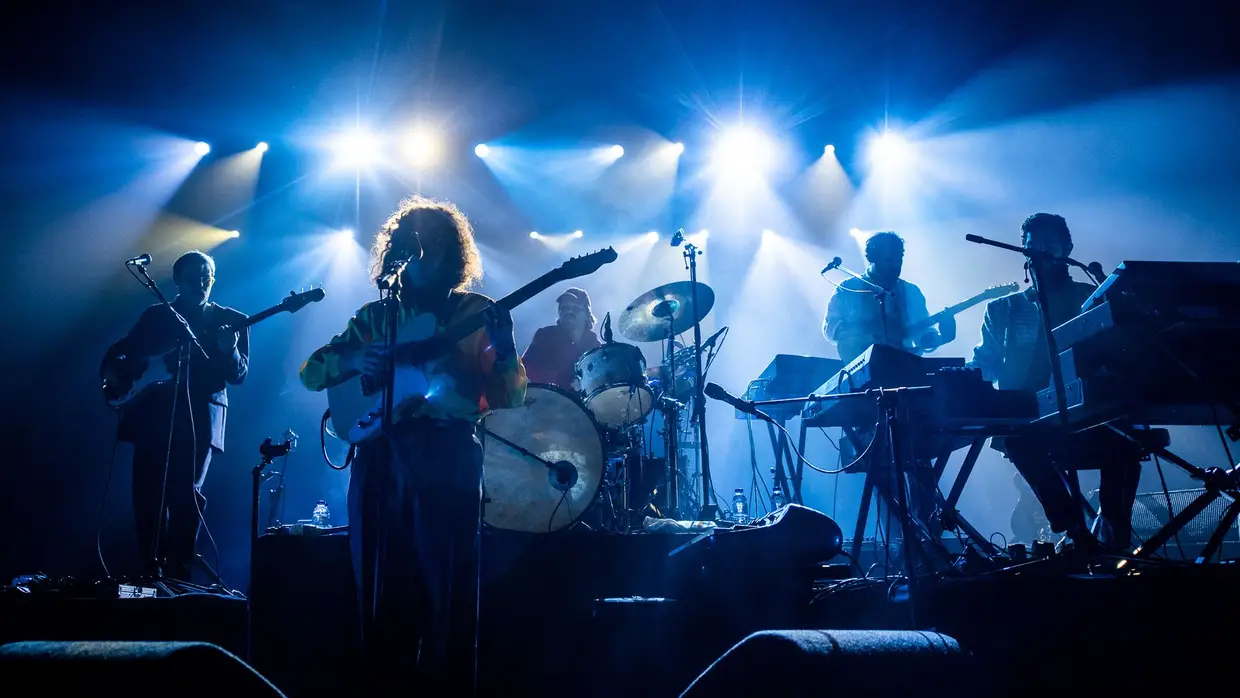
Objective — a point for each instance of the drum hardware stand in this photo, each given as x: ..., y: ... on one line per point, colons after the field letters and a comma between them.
x: 562, y: 475
x: 710, y: 507
x: 671, y: 424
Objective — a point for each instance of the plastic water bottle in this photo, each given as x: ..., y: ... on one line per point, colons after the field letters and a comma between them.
x: 778, y: 500
x: 321, y: 515
x: 740, y: 507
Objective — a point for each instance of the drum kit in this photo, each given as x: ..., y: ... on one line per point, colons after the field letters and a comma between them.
x: 599, y: 471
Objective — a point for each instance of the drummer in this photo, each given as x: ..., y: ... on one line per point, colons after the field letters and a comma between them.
x: 555, y: 349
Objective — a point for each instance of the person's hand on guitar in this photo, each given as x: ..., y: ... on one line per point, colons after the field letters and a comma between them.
x: 368, y: 360
x: 499, y: 329
x: 226, y: 341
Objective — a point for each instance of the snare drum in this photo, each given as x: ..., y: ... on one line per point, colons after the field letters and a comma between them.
x: 613, y: 381
x: 523, y: 494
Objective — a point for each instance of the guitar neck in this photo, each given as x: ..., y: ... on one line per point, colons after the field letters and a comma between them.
x: 460, y: 330
x: 947, y: 312
x: 258, y: 317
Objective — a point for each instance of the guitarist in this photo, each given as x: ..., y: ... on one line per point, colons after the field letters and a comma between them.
x: 415, y: 496
x: 856, y: 320
x: 201, y: 408
x: 1013, y: 353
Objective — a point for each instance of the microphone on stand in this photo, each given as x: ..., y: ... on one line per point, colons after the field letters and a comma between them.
x: 835, y: 264
x: 607, y: 328
x: 715, y: 391
x: 140, y: 261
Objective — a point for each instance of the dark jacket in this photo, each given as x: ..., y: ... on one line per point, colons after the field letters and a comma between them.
x: 155, y: 333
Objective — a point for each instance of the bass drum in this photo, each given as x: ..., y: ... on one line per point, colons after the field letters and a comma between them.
x: 525, y: 495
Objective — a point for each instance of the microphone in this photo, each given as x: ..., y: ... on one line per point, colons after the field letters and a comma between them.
x: 678, y: 237
x: 974, y: 238
x: 835, y: 263
x: 710, y: 342
x: 607, y: 328
x: 391, y: 272
x: 140, y: 261
x: 715, y: 391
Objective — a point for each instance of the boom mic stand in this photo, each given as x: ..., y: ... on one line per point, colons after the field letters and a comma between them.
x: 710, y: 506
x: 880, y: 294
x: 1036, y: 262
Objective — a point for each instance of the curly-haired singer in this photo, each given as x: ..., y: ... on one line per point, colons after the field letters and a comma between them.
x: 415, y: 495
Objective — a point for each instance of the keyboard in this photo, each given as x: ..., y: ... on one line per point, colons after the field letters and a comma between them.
x: 788, y: 376
x: 1155, y: 345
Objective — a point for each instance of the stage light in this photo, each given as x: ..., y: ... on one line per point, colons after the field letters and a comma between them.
x: 768, y: 231
x: 261, y: 147
x: 743, y: 150
x: 652, y: 236
x: 678, y: 148
x: 704, y: 233
x: 577, y: 233
x: 234, y: 234
x: 202, y: 148
x: 829, y: 150
x: 534, y: 234
x: 890, y: 150
x: 355, y: 149
x: 422, y: 147
x: 617, y: 151
x: 482, y: 150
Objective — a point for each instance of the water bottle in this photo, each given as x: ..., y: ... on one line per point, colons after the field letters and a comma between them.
x: 778, y: 500
x: 321, y: 515
x: 740, y: 507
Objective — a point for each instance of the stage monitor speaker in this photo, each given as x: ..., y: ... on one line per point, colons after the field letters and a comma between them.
x: 136, y: 669
x: 820, y: 663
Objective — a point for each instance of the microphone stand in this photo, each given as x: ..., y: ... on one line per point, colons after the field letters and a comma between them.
x: 710, y: 507
x: 881, y: 294
x: 889, y: 401
x: 183, y: 355
x: 1035, y: 263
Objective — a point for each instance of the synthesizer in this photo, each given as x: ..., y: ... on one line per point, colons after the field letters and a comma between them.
x: 1155, y: 344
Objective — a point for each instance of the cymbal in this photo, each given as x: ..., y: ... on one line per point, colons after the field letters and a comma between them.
x: 646, y: 319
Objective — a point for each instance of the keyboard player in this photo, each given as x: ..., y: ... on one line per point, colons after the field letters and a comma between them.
x: 1013, y: 354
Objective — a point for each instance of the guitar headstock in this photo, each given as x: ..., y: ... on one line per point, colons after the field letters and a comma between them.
x: 297, y: 301
x: 585, y: 264
x: 1001, y: 291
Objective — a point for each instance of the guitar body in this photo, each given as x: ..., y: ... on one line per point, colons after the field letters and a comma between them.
x: 357, y: 404
x: 126, y: 377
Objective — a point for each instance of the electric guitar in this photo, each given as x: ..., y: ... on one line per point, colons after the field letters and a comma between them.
x: 991, y: 293
x: 127, y: 377
x: 356, y: 405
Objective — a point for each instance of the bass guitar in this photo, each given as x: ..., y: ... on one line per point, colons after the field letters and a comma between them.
x: 127, y: 377
x: 991, y: 293
x: 355, y: 406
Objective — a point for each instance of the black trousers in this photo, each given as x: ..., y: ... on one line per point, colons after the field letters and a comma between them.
x: 1044, y: 461
x: 176, y: 526
x: 414, y: 523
